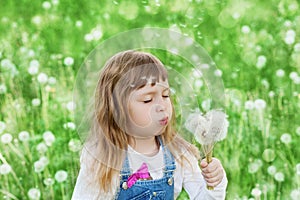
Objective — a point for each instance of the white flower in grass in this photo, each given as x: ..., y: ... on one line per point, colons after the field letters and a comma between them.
x: 74, y: 145
x: 61, y: 176
x: 298, y: 169
x: 36, y: 102
x: 218, y: 73
x: 51, y: 80
x: 261, y: 61
x: 69, y: 125
x: 260, y: 104
x: 286, y: 138
x: 39, y: 166
x: 279, y: 176
x: 7, y: 64
x: 46, y: 5
x: 33, y: 67
x: 293, y: 75
x: 271, y: 94
x: 42, y: 78
x: 245, y: 29
x: 55, y: 2
x: 297, y: 130
x: 297, y: 47
x: 24, y: 136
x: 256, y: 192
x: 78, y: 23
x: 249, y: 105
x: 295, y: 194
x: 272, y: 170
x: 3, y: 89
x: 6, y: 138
x: 41, y: 148
x: 280, y: 73
x: 254, y: 166
x: 44, y: 160
x: 34, y: 194
x: 49, y: 138
x: 48, y: 181
x: 290, y: 37
x: 68, y: 61
x: 5, y: 169
x: 206, y: 104
x: 71, y: 106
x: 3, y: 126
x: 297, y: 80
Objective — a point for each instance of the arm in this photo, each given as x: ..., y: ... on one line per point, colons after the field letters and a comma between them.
x: 195, y: 183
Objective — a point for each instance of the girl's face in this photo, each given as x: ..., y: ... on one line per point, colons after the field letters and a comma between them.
x: 150, y: 110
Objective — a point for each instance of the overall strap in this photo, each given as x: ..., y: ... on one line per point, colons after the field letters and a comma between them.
x: 169, y: 160
x: 125, y: 171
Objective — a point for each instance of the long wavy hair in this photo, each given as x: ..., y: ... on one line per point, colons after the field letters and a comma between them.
x: 123, y: 73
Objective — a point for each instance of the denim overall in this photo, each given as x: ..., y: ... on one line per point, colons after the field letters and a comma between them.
x: 162, y: 188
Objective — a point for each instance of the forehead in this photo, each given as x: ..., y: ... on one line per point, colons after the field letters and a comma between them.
x: 153, y: 87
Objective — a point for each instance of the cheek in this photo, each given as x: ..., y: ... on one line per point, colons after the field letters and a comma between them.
x: 140, y: 115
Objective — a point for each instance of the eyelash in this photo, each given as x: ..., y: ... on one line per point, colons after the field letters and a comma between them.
x: 164, y: 96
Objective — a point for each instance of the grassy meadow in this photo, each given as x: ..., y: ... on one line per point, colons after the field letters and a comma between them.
x: 254, y: 44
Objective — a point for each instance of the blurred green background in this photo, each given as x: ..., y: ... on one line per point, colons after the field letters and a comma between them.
x: 255, y: 45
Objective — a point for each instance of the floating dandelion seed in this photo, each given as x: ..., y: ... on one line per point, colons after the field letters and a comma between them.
x: 5, y: 169
x: 34, y: 194
x: 286, y: 138
x: 61, y: 176
x: 24, y: 136
x: 279, y: 176
x: 6, y: 138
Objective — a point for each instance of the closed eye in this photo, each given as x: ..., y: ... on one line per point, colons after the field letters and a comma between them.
x: 147, y: 101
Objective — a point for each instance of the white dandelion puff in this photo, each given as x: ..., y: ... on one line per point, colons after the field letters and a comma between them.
x: 42, y: 78
x: 295, y: 194
x: 51, y: 80
x: 297, y: 130
x: 48, y: 181
x: 71, y: 106
x: 38, y: 166
x: 279, y: 176
x: 245, y: 29
x: 6, y: 138
x: 74, y: 145
x: 3, y: 126
x: 42, y: 148
x: 49, y: 138
x: 256, y: 192
x: 34, y: 194
x: 272, y: 170
x: 61, y: 176
x: 46, y: 5
x: 293, y: 75
x: 3, y: 89
x: 24, y: 136
x: 249, y: 105
x: 69, y: 61
x: 218, y: 73
x: 36, y: 102
x: 260, y: 104
x: 5, y: 169
x: 286, y: 138
x: 261, y: 61
x: 69, y: 125
x: 280, y: 73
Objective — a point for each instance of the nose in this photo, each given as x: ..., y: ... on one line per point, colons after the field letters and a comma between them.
x: 160, y: 105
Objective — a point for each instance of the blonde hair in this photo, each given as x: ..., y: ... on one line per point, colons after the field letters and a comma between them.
x: 123, y: 73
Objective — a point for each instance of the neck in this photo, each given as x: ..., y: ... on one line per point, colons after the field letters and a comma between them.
x: 146, y: 146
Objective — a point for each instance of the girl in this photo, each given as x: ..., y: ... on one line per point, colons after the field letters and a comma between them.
x: 133, y: 151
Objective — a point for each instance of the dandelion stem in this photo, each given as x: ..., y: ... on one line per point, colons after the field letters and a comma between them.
x: 208, y: 160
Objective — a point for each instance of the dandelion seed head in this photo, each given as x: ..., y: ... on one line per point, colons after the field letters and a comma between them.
x: 198, y: 83
x: 7, y: 64
x: 297, y: 47
x: 88, y: 37
x: 218, y: 73
x: 245, y: 29
x: 36, y: 102
x: 61, y: 176
x: 298, y: 169
x: 279, y: 176
x: 249, y: 105
x: 260, y: 104
x: 42, y: 148
x: 253, y: 167
x: 261, y: 61
x: 3, y: 126
x: 34, y: 63
x: 46, y: 5
x: 280, y: 73
x: 71, y: 106
x: 6, y: 138
x: 55, y: 2
x: 5, y: 169
x: 38, y: 166
x: 48, y: 181
x: 3, y: 89
x: 51, y: 80
x: 78, y: 23
x: 69, y: 125
x: 297, y: 130
x: 256, y: 192
x: 286, y: 138
x: 293, y: 75
x: 268, y: 155
x: 49, y: 138
x: 44, y: 160
x: 272, y: 170
x: 69, y: 61
x: 74, y: 145
x: 34, y: 194
x: 271, y: 94
x: 295, y: 194
x: 37, y: 20
x: 42, y: 78
x: 197, y: 74
x: 24, y: 136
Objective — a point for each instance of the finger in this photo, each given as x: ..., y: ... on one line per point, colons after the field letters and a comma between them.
x: 203, y: 164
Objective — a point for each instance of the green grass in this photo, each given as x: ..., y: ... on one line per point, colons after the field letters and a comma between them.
x: 30, y: 32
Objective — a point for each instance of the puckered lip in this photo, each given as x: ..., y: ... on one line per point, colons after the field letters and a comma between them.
x: 164, y: 121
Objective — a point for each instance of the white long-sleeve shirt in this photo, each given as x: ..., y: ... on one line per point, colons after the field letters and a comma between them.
x: 187, y: 176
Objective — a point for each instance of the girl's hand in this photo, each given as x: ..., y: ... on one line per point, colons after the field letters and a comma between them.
x: 213, y: 172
